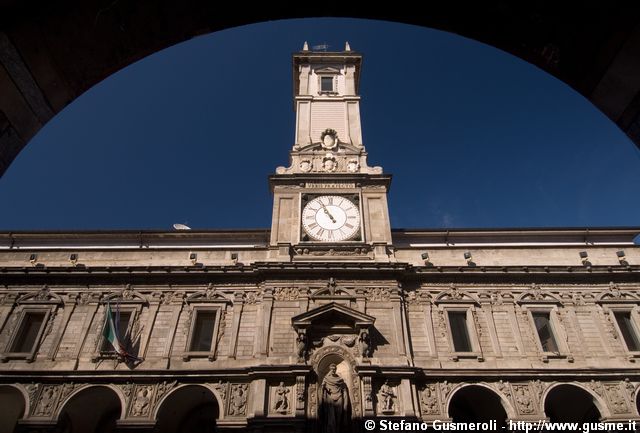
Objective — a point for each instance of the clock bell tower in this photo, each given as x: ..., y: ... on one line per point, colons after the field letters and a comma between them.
x: 329, y: 202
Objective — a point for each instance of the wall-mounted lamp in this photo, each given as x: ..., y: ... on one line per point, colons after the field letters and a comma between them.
x: 622, y: 258
x: 73, y: 258
x: 584, y: 257
x: 468, y: 258
x: 234, y: 258
x: 193, y: 257
x: 33, y: 259
x: 425, y: 257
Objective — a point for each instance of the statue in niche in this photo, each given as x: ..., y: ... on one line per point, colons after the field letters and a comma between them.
x: 334, y: 406
x: 301, y: 345
x: 388, y: 397
x: 282, y: 401
x: 365, y: 343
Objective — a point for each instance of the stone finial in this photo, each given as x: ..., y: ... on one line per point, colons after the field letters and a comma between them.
x: 305, y: 46
x: 347, y: 47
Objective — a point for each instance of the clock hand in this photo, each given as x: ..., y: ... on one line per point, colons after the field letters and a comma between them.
x: 326, y: 211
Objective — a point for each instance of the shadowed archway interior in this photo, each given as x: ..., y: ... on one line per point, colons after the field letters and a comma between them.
x: 477, y: 404
x: 12, y: 407
x: 95, y: 409
x: 581, y: 409
x: 190, y: 409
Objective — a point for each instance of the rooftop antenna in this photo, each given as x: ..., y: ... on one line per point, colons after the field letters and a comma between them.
x: 179, y: 226
x: 321, y: 47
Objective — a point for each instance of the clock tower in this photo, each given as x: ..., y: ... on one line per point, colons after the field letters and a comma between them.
x: 329, y: 202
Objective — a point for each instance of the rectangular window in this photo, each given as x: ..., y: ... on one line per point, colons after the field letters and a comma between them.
x: 202, y: 335
x: 628, y: 331
x: 542, y: 321
x: 460, y: 331
x: 122, y: 326
x: 326, y: 84
x: 28, y: 333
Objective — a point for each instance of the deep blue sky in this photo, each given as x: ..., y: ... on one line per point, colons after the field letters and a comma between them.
x: 473, y: 136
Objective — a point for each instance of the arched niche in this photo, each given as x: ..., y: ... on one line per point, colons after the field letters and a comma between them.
x: 12, y: 407
x: 584, y: 407
x: 95, y: 408
x: 321, y: 360
x: 188, y: 409
x: 477, y: 403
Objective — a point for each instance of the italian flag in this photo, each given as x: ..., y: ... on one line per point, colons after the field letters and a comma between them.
x: 110, y: 333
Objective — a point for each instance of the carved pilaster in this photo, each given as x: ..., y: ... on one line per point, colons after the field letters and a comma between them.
x: 300, y: 392
x: 367, y: 391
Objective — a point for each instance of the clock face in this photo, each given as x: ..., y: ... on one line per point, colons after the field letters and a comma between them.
x: 331, y: 218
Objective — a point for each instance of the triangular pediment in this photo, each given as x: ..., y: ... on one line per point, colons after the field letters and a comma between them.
x: 615, y: 295
x: 455, y: 296
x: 332, y: 293
x: 536, y: 295
x: 42, y: 296
x: 125, y: 296
x: 327, y: 70
x: 210, y: 294
x: 328, y: 312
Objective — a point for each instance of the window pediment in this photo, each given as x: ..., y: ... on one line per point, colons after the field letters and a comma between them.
x: 455, y: 296
x: 613, y: 295
x: 327, y: 70
x: 535, y: 295
x: 125, y: 296
x: 332, y: 293
x: 330, y: 314
x: 210, y: 295
x: 42, y: 296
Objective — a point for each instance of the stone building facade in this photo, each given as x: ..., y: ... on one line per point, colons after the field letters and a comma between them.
x: 327, y: 319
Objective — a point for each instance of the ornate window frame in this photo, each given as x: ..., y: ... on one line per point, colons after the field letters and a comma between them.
x: 40, y: 302
x: 208, y: 300
x: 614, y: 300
x: 538, y: 300
x: 635, y: 324
x: 328, y: 72
x: 472, y: 332
x: 24, y: 314
x: 559, y: 334
x: 127, y: 301
x: 454, y: 300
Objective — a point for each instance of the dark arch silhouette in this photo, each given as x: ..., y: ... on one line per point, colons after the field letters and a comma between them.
x: 189, y: 409
x: 52, y: 52
x: 12, y: 408
x: 477, y: 404
x: 95, y: 409
x: 582, y: 407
